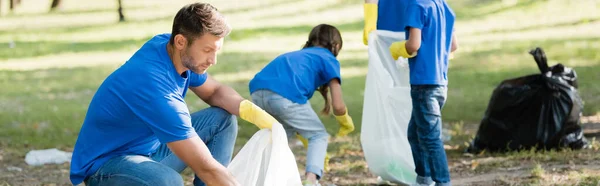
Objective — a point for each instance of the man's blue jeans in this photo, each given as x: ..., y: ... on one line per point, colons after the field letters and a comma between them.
x: 424, y: 132
x: 215, y: 126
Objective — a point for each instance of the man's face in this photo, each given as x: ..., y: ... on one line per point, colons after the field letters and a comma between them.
x: 202, y: 53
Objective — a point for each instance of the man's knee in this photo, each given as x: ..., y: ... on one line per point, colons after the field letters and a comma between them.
x: 219, y: 116
x: 146, y: 173
x: 165, y: 176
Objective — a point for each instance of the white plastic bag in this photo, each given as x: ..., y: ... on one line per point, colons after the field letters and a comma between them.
x: 47, y: 156
x: 266, y: 160
x: 386, y: 111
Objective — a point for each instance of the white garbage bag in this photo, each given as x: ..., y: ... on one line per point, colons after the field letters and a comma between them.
x: 386, y: 112
x: 47, y: 156
x: 266, y: 160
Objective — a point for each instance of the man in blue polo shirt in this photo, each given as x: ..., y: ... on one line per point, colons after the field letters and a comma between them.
x: 138, y: 129
x: 429, y: 28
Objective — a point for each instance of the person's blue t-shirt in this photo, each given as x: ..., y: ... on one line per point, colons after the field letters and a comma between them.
x: 391, y: 15
x: 296, y: 75
x: 137, y: 107
x: 436, y: 21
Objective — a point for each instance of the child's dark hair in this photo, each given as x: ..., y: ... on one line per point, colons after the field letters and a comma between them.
x: 328, y: 37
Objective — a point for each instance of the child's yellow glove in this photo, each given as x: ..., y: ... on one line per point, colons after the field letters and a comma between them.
x: 370, y: 11
x: 305, y: 143
x: 398, y: 49
x: 346, y: 124
x: 255, y: 115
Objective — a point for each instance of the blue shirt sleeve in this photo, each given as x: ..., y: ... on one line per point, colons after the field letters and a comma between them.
x: 197, y: 79
x: 331, y: 70
x: 415, y: 17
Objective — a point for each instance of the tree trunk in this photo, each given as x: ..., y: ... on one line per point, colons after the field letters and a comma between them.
x: 121, y: 16
x: 54, y: 5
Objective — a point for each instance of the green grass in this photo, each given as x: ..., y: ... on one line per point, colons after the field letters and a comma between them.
x: 43, y: 107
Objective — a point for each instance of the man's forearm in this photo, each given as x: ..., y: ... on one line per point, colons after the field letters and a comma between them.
x: 227, y: 98
x: 195, y: 154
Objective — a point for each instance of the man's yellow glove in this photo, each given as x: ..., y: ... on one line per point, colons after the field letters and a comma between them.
x: 346, y: 124
x: 255, y: 115
x: 305, y: 143
x: 398, y: 49
x: 370, y: 20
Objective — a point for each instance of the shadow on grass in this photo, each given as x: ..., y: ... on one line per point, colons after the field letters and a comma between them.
x: 557, y: 50
x: 255, y: 7
x: 471, y: 9
x: 539, y: 27
x: 42, y: 48
x: 286, y: 30
x: 337, y: 5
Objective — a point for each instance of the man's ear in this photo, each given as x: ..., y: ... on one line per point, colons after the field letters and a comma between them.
x: 180, y: 42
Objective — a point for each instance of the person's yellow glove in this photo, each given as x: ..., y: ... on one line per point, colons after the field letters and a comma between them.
x: 346, y: 124
x: 305, y: 143
x: 370, y: 11
x: 398, y: 49
x: 255, y: 115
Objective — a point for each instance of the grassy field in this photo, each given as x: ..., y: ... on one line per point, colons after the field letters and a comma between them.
x: 52, y: 63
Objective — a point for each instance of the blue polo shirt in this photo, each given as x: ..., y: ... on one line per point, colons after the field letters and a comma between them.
x: 296, y: 75
x: 137, y: 107
x: 391, y: 15
x: 436, y: 21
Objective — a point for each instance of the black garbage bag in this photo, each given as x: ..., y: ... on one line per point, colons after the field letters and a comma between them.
x: 539, y: 111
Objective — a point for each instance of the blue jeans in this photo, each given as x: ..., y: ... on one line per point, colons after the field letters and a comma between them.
x: 215, y: 126
x: 301, y: 119
x: 424, y: 132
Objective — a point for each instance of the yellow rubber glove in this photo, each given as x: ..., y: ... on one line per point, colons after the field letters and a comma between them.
x: 370, y: 11
x: 255, y: 115
x: 346, y: 124
x: 305, y: 143
x: 398, y: 49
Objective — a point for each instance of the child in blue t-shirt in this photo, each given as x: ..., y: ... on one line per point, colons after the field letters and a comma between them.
x: 429, y: 28
x: 284, y: 86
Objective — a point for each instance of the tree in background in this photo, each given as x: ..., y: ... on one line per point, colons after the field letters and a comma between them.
x: 56, y: 3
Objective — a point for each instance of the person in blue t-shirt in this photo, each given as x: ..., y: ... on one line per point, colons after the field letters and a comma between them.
x: 284, y: 86
x: 383, y: 15
x: 429, y: 28
x: 138, y: 129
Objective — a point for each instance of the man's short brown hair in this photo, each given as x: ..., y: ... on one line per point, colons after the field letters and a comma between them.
x: 196, y: 19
